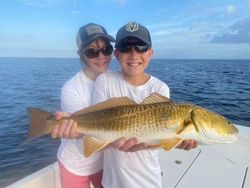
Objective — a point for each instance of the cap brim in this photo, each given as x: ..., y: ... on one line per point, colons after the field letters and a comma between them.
x: 108, y: 37
x: 135, y: 36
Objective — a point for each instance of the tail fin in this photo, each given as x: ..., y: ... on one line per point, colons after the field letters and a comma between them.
x: 39, y: 123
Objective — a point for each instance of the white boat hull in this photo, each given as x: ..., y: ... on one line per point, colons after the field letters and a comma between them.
x: 222, y: 166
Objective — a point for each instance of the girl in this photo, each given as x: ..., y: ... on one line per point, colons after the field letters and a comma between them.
x: 95, y: 51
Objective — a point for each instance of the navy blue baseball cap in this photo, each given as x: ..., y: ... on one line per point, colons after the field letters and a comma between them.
x: 133, y: 29
x: 88, y: 33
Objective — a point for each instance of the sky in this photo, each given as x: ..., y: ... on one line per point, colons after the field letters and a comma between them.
x: 183, y: 29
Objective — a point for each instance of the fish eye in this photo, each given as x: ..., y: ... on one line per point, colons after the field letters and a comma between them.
x: 52, y: 117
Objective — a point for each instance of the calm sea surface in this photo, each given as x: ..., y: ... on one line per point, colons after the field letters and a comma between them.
x: 220, y: 85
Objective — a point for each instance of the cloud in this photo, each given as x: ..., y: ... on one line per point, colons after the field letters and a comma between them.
x: 42, y: 3
x: 230, y: 9
x: 248, y: 4
x: 239, y: 32
x: 196, y: 32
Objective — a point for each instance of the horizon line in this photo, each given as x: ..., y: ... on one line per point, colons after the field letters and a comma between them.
x: 114, y: 58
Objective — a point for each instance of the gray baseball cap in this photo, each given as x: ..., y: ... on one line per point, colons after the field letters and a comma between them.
x: 133, y: 29
x: 88, y: 33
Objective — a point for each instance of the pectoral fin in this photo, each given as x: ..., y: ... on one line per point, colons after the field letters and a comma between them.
x: 92, y: 145
x: 168, y: 144
x: 185, y: 125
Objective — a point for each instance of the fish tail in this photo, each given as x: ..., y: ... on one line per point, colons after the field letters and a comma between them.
x: 40, y: 122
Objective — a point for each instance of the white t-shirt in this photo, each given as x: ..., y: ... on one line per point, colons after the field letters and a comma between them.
x: 129, y: 169
x: 76, y: 94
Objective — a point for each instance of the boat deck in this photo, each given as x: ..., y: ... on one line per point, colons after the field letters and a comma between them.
x: 210, y: 166
x: 217, y: 166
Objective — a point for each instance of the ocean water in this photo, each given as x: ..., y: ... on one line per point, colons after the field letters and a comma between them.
x: 220, y: 85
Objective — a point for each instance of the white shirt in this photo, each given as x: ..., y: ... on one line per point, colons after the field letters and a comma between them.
x: 76, y: 94
x: 129, y: 169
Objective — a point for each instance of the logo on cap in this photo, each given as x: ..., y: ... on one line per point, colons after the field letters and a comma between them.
x: 132, y: 26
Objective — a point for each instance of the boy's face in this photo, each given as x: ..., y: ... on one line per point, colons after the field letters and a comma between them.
x: 134, y: 56
x: 96, y: 61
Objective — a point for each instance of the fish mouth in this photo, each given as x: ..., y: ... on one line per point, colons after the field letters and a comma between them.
x: 210, y: 137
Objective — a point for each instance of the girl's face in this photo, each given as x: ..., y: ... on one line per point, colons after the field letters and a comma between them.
x: 96, y: 56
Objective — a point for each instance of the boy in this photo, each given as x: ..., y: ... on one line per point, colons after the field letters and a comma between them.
x: 133, y: 52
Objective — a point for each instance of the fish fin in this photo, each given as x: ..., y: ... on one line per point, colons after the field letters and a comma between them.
x: 114, y: 102
x: 155, y: 98
x: 168, y: 144
x: 39, y: 122
x: 92, y: 145
x: 193, y: 117
x: 184, y: 125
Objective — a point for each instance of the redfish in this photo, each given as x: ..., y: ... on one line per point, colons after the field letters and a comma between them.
x: 157, y: 121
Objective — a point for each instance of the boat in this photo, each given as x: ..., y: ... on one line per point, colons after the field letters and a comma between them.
x: 207, y: 166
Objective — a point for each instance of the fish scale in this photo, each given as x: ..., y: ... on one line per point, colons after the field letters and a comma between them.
x: 136, y: 120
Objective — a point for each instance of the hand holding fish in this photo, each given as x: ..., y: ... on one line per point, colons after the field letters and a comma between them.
x: 129, y: 145
x: 187, y: 144
x: 133, y: 145
x: 66, y: 129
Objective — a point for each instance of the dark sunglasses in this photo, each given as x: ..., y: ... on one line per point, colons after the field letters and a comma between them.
x: 137, y: 47
x: 94, y: 52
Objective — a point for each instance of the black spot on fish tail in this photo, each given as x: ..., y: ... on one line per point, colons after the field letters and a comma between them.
x: 51, y: 117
